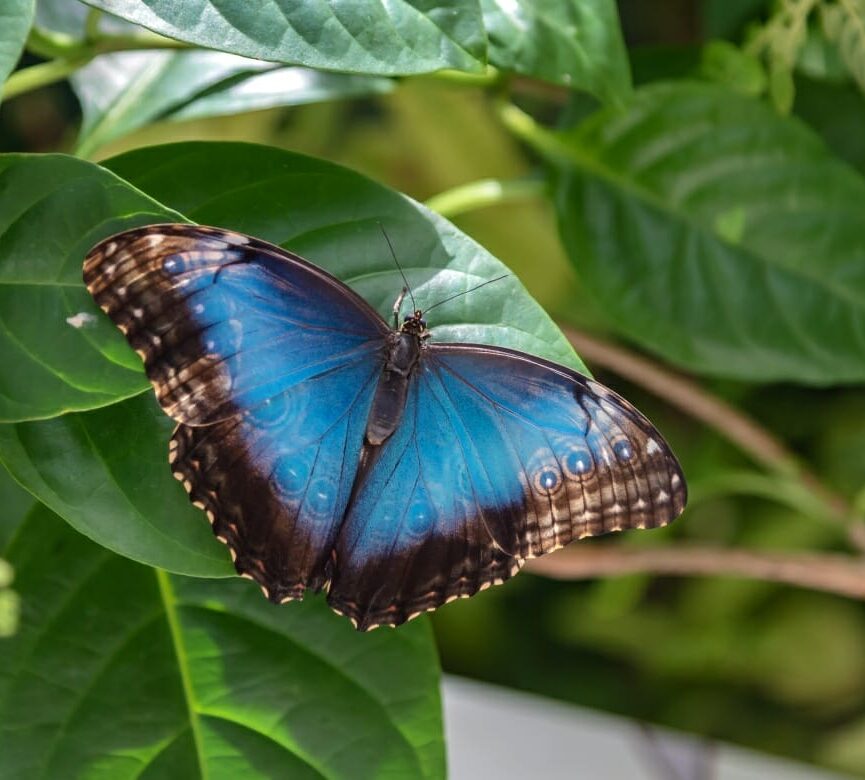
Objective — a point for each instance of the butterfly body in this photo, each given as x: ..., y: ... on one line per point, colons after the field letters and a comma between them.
x: 334, y: 452
x: 403, y: 354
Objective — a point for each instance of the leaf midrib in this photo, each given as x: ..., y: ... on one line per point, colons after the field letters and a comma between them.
x: 166, y: 594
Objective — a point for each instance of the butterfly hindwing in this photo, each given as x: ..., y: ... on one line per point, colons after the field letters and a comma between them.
x: 269, y: 365
x: 500, y: 457
x: 275, y: 481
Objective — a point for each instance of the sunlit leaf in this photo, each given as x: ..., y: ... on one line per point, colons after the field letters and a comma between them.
x: 106, y: 471
x: 575, y: 43
x: 364, y: 36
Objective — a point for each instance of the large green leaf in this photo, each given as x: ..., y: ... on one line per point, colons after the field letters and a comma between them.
x: 16, y: 17
x: 364, y: 36
x: 127, y: 90
x: 719, y: 234
x: 121, y: 671
x: 334, y: 217
x: 576, y: 43
x: 57, y: 354
x: 106, y: 472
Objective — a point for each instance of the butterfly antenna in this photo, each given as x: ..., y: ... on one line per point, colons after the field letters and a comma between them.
x: 399, y: 268
x: 466, y: 292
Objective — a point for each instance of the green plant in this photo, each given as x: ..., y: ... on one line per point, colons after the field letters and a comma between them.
x: 716, y: 230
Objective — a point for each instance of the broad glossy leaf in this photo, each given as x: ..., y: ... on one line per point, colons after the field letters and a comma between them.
x: 120, y: 671
x: 334, y: 217
x: 106, y: 473
x: 720, y: 235
x: 57, y: 354
x: 576, y: 43
x: 127, y: 90
x: 15, y: 19
x: 363, y: 36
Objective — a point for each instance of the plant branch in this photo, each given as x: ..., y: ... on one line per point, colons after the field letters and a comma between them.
x: 490, y: 77
x: 41, y: 75
x: 736, y: 427
x: 485, y: 192
x: 830, y: 572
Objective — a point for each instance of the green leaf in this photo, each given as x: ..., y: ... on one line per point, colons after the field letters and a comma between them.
x: 124, y: 91
x: 333, y: 217
x: 16, y: 16
x: 720, y: 235
x: 576, y: 43
x: 844, y: 24
x: 729, y: 65
x: 59, y: 355
x: 106, y: 473
x: 365, y: 36
x: 121, y: 671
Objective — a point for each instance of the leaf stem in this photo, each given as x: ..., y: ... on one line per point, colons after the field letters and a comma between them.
x: 41, y: 75
x: 732, y: 424
x: 524, y: 127
x: 484, y: 192
x: 91, y: 24
x: 490, y: 77
x: 830, y: 572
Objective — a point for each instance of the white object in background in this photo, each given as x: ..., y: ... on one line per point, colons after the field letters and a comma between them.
x: 498, y: 733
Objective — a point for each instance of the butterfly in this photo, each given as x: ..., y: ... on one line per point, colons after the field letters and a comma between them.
x: 333, y: 451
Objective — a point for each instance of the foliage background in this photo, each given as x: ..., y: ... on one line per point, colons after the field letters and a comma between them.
x: 712, y: 219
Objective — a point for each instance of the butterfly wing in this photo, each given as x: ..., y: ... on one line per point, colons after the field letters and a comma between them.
x: 500, y: 457
x: 269, y: 365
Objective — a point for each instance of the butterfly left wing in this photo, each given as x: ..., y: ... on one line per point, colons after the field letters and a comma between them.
x: 269, y: 364
x: 500, y: 457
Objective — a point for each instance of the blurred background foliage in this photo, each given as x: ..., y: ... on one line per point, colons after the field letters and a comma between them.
x: 775, y: 667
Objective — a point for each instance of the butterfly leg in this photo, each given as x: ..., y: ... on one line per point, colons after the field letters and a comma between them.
x: 397, y: 305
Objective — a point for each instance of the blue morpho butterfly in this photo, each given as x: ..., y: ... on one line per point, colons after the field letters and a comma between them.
x: 331, y: 451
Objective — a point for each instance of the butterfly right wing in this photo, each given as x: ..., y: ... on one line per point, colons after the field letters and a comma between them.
x: 269, y: 365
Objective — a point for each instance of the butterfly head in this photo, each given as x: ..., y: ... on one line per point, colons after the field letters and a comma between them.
x: 415, y: 323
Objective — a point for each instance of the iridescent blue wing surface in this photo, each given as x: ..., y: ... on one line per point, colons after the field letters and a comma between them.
x: 500, y: 457
x: 269, y: 365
